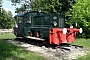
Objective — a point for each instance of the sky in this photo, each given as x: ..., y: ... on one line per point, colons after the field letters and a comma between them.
x: 8, y: 7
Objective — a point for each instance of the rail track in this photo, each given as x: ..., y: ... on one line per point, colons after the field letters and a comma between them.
x: 59, y: 52
x: 63, y: 46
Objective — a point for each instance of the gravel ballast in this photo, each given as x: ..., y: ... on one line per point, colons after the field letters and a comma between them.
x: 52, y: 54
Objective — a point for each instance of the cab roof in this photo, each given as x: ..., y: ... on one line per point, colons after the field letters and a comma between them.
x: 22, y: 14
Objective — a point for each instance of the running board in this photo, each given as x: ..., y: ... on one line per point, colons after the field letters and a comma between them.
x: 35, y: 38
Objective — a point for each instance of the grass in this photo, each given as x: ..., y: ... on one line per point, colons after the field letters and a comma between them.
x: 12, y: 52
x: 7, y: 36
x: 86, y: 44
x: 83, y: 42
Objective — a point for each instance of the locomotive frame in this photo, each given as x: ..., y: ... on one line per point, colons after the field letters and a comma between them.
x: 38, y: 25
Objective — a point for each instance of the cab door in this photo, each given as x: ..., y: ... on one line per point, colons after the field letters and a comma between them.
x: 18, y: 28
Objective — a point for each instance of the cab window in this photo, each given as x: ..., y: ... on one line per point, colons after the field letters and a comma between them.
x: 19, y: 19
x: 27, y: 19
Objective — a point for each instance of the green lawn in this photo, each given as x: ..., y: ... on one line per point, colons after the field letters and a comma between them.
x: 82, y: 42
x: 86, y: 44
x: 12, y: 52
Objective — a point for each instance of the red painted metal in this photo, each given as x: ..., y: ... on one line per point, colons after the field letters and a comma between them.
x: 37, y: 34
x: 57, y: 36
x: 30, y: 33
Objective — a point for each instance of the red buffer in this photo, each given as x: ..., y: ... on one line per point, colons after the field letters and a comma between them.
x: 63, y: 35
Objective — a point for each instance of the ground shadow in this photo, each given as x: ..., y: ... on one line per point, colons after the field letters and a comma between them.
x: 9, y: 51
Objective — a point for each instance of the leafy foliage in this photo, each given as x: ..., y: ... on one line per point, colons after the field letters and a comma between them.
x: 6, y: 19
x: 0, y: 5
x: 0, y: 1
x: 51, y: 5
x: 81, y: 15
x: 24, y: 5
x: 43, y: 5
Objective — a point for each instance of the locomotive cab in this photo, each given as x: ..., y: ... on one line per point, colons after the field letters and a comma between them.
x: 18, y: 25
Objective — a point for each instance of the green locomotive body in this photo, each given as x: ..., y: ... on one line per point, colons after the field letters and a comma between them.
x: 40, y: 26
x: 37, y: 24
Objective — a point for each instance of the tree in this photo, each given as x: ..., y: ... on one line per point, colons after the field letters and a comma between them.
x: 81, y: 15
x: 43, y: 5
x: 10, y: 20
x: 0, y: 1
x: 51, y: 5
x: 24, y: 5
x: 0, y: 6
x: 6, y: 19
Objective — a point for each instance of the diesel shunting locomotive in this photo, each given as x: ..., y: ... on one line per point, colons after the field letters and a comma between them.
x: 38, y: 25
